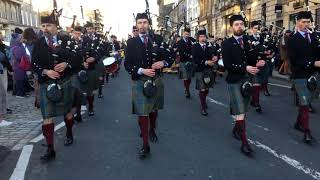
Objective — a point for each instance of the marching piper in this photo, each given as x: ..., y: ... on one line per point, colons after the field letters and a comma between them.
x: 185, y: 66
x: 303, y: 54
x: 204, y: 58
x: 144, y: 65
x: 53, y: 64
x: 239, y: 62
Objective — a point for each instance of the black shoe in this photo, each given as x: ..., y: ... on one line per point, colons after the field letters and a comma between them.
x: 91, y: 113
x: 9, y: 111
x: 78, y: 118
x: 144, y: 152
x: 258, y: 109
x: 298, y: 126
x: 48, y: 156
x: 308, y: 137
x: 153, y: 136
x: 100, y: 96
x: 68, y: 141
x: 246, y: 149
x: 187, y: 93
x: 204, y: 113
x: 266, y: 93
x: 311, y: 109
x: 236, y: 133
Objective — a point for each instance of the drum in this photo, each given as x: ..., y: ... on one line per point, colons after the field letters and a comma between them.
x: 110, y: 65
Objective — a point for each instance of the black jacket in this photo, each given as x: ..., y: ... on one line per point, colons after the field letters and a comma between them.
x: 42, y: 58
x: 236, y: 59
x: 184, y: 49
x: 138, y: 56
x: 302, y: 55
x: 200, y: 56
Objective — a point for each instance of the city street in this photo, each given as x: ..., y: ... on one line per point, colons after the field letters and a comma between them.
x: 190, y: 146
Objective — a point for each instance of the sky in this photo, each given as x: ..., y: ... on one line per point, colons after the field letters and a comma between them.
x: 118, y: 14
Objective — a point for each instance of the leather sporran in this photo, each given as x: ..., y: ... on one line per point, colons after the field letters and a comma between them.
x: 83, y: 76
x: 54, y: 92
x: 149, y: 89
x: 246, y: 89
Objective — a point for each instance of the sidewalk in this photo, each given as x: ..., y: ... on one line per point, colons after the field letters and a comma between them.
x: 26, y: 120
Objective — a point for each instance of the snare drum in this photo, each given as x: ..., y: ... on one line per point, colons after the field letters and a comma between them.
x: 110, y: 64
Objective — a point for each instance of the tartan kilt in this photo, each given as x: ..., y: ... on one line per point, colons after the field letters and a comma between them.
x: 75, y: 81
x: 100, y: 69
x: 142, y: 105
x: 183, y: 73
x: 200, y: 85
x: 263, y: 74
x: 93, y: 82
x: 238, y: 103
x: 304, y: 94
x: 49, y: 109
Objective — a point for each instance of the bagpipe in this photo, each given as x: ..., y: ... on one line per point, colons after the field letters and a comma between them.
x: 313, y: 82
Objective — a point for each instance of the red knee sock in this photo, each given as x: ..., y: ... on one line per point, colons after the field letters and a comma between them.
x: 90, y: 102
x: 69, y: 125
x: 304, y: 117
x: 202, y: 96
x: 255, y: 95
x: 242, y: 126
x: 187, y: 84
x: 144, y: 126
x: 153, y: 120
x: 48, y: 133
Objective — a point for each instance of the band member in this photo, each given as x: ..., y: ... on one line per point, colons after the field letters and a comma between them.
x: 258, y: 48
x: 185, y: 66
x: 135, y: 31
x: 145, y: 66
x: 302, y: 51
x: 204, y: 60
x: 75, y: 47
x: 53, y: 65
x: 90, y: 43
x: 239, y: 61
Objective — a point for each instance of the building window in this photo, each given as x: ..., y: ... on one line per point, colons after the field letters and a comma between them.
x: 292, y: 21
x: 27, y: 18
x: 31, y: 19
x: 14, y: 14
x: 2, y: 10
x: 317, y: 21
x: 7, y: 12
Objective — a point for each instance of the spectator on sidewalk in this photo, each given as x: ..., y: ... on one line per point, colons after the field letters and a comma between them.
x: 18, y: 51
x: 284, y: 68
x: 29, y: 39
x: 3, y: 95
x: 5, y: 68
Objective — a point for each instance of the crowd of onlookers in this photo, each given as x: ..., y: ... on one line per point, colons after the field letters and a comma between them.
x: 13, y: 73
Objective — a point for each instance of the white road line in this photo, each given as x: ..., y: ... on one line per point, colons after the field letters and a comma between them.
x: 217, y: 102
x: 21, y: 167
x: 280, y: 85
x: 292, y: 162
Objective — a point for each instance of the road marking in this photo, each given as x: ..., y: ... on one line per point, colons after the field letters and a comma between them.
x: 280, y: 85
x: 292, y: 162
x: 217, y: 102
x: 21, y: 167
